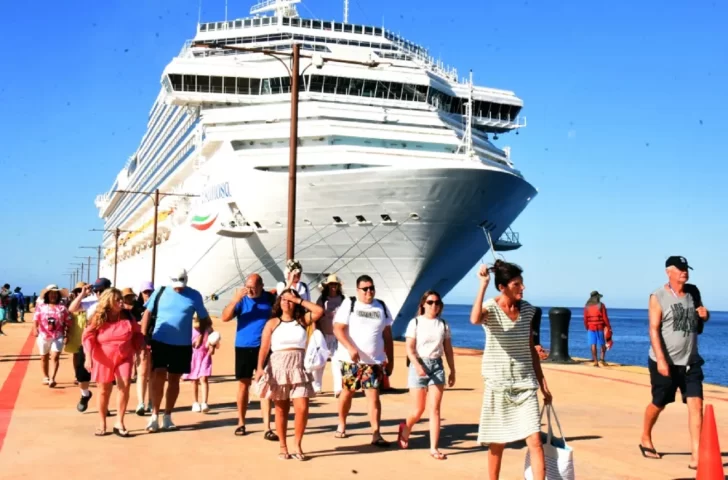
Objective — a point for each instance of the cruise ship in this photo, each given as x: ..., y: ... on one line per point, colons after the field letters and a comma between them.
x: 399, y: 176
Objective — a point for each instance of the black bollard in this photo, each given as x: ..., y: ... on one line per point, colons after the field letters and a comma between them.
x: 559, y: 319
x: 536, y: 326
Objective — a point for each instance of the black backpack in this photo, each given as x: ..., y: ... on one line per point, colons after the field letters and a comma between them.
x: 153, y: 317
x: 443, y: 322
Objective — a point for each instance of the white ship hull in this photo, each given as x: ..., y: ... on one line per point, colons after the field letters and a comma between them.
x: 404, y: 258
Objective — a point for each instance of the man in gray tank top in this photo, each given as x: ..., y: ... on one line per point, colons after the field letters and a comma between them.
x: 676, y: 317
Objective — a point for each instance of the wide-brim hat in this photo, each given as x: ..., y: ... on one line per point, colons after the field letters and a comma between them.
x: 333, y: 278
x: 79, y: 286
x: 63, y: 292
x: 127, y: 291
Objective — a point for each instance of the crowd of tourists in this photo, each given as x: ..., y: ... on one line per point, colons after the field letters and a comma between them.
x: 283, y: 340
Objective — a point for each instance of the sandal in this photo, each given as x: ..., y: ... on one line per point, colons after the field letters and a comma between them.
x: 46, y: 381
x: 339, y: 434
x: 654, y: 455
x: 269, y: 435
x: 52, y: 383
x: 300, y: 456
x: 437, y: 455
x: 403, y: 444
x: 121, y: 432
x: 100, y: 432
x: 283, y: 455
x: 240, y: 431
x: 381, y: 443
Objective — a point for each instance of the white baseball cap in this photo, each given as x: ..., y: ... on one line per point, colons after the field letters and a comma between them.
x: 179, y: 280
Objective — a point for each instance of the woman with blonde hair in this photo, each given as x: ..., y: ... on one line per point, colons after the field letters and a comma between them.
x: 284, y: 379
x: 111, y: 340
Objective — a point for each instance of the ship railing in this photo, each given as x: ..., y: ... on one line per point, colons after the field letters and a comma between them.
x: 500, y: 122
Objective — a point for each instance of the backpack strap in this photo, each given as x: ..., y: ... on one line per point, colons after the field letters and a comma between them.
x: 384, y: 306
x: 353, y: 300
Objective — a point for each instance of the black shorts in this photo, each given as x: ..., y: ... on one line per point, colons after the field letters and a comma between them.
x: 688, y: 379
x: 82, y: 375
x: 176, y: 359
x: 246, y: 362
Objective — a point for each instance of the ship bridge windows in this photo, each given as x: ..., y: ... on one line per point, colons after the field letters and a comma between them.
x: 327, y: 84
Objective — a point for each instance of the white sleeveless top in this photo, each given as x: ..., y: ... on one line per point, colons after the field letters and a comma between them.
x: 288, y: 335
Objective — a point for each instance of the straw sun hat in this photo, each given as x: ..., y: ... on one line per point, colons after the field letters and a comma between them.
x: 63, y: 292
x: 333, y: 278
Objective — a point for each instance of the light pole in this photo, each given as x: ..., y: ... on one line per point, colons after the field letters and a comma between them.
x: 88, y: 270
x: 295, y: 74
x: 117, y: 231
x: 79, y: 278
x: 70, y: 280
x: 98, y: 260
x: 155, y: 195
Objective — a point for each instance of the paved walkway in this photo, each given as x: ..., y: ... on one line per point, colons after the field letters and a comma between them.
x: 41, y: 433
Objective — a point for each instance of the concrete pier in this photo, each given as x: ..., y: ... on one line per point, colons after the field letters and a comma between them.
x: 42, y: 434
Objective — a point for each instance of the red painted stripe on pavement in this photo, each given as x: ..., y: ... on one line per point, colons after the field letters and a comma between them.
x: 620, y: 380
x: 11, y: 388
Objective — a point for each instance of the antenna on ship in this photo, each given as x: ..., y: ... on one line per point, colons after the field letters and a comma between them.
x: 226, y: 3
x: 466, y: 145
x: 346, y: 11
x: 199, y: 13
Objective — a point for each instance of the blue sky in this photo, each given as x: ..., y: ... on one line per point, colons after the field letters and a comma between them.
x: 626, y: 106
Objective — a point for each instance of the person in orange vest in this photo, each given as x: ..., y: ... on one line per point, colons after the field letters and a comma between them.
x: 596, y: 322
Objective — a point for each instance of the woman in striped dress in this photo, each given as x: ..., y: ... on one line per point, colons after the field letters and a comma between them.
x: 511, y: 369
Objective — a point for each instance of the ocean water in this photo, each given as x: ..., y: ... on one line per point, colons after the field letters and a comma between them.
x: 631, y: 337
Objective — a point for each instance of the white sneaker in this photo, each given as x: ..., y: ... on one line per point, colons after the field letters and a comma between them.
x: 196, y: 407
x: 153, y: 425
x: 140, y: 410
x: 205, y: 408
x: 167, y: 423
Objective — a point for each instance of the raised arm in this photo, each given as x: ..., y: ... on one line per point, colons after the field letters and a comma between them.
x: 314, y: 313
x: 228, y: 313
x: 75, y: 305
x: 477, y: 315
x: 655, y: 315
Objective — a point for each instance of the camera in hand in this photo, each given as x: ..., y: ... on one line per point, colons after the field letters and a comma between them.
x: 51, y: 324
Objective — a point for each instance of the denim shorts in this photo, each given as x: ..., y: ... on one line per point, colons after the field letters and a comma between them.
x: 435, y: 373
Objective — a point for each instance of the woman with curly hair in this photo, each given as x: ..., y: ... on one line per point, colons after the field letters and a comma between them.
x: 111, y: 340
x: 285, y: 379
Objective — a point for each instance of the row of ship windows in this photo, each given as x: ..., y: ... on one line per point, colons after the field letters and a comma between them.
x: 340, y: 86
x: 162, y: 158
x: 360, y: 220
x: 314, y: 25
x: 276, y: 37
x: 162, y: 138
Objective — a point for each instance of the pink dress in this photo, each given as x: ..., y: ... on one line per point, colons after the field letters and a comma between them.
x: 201, y: 359
x: 112, y: 348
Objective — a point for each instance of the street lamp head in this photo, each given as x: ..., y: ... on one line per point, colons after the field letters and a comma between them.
x: 317, y: 60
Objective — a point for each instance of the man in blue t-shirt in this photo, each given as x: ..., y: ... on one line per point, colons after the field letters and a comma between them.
x: 251, y: 306
x: 171, y: 346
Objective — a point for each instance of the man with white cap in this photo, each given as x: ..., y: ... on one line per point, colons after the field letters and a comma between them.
x: 168, y: 318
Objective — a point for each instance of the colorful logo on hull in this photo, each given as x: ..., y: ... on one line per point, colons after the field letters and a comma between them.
x: 203, y: 223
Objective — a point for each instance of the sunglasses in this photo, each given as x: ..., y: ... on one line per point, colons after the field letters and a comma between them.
x: 434, y: 302
x: 367, y: 289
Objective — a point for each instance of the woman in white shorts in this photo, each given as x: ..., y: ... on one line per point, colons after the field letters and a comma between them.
x: 51, y: 321
x: 428, y: 338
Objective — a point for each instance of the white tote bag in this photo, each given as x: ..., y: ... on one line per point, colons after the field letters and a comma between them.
x: 558, y: 455
x: 317, y: 352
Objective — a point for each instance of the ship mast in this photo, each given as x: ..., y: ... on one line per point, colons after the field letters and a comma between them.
x: 282, y: 8
x: 346, y: 11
